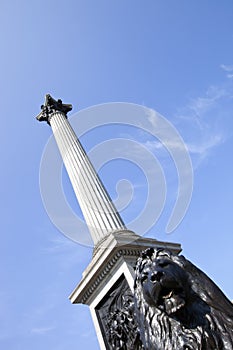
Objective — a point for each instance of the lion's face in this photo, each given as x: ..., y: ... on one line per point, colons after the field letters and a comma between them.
x: 164, y: 282
x: 178, y: 307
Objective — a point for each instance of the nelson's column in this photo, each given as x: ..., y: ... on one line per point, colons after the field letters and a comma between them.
x: 107, y: 282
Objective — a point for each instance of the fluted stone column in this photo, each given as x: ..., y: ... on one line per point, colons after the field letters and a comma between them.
x: 98, y: 210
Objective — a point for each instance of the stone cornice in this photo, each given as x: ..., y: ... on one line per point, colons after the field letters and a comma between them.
x: 107, y: 268
x: 103, y: 263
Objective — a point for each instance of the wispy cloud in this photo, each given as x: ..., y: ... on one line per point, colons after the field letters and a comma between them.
x: 207, y: 144
x: 153, y: 145
x: 193, y: 148
x: 201, y: 133
x: 202, y: 123
x: 42, y: 330
x: 59, y: 245
x: 228, y: 69
x: 198, y: 108
x: 204, y: 119
x: 66, y: 253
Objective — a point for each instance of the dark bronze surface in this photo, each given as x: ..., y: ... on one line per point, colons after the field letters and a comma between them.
x: 117, y: 318
x: 178, y: 306
x: 51, y: 106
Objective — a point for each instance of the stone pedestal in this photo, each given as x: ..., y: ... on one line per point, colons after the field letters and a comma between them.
x: 107, y: 283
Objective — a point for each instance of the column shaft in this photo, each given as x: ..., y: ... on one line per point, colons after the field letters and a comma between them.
x: 98, y: 210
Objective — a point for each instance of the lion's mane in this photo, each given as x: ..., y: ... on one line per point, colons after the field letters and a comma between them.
x: 178, y: 306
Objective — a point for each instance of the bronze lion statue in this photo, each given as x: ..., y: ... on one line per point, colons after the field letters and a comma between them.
x: 178, y: 306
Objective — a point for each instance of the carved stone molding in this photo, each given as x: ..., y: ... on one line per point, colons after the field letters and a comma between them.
x: 106, y: 269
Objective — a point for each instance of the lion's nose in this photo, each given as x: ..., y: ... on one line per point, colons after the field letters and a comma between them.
x: 156, y: 276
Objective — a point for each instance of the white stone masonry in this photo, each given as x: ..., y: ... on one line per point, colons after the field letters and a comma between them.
x: 98, y: 210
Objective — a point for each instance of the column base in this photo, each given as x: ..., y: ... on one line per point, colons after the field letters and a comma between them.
x: 109, y: 278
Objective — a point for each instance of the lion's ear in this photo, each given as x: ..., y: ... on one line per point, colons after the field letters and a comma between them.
x: 180, y: 260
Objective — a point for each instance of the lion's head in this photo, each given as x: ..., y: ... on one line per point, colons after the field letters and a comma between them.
x: 178, y: 306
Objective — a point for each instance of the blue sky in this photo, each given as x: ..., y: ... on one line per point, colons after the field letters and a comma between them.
x: 172, y: 56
